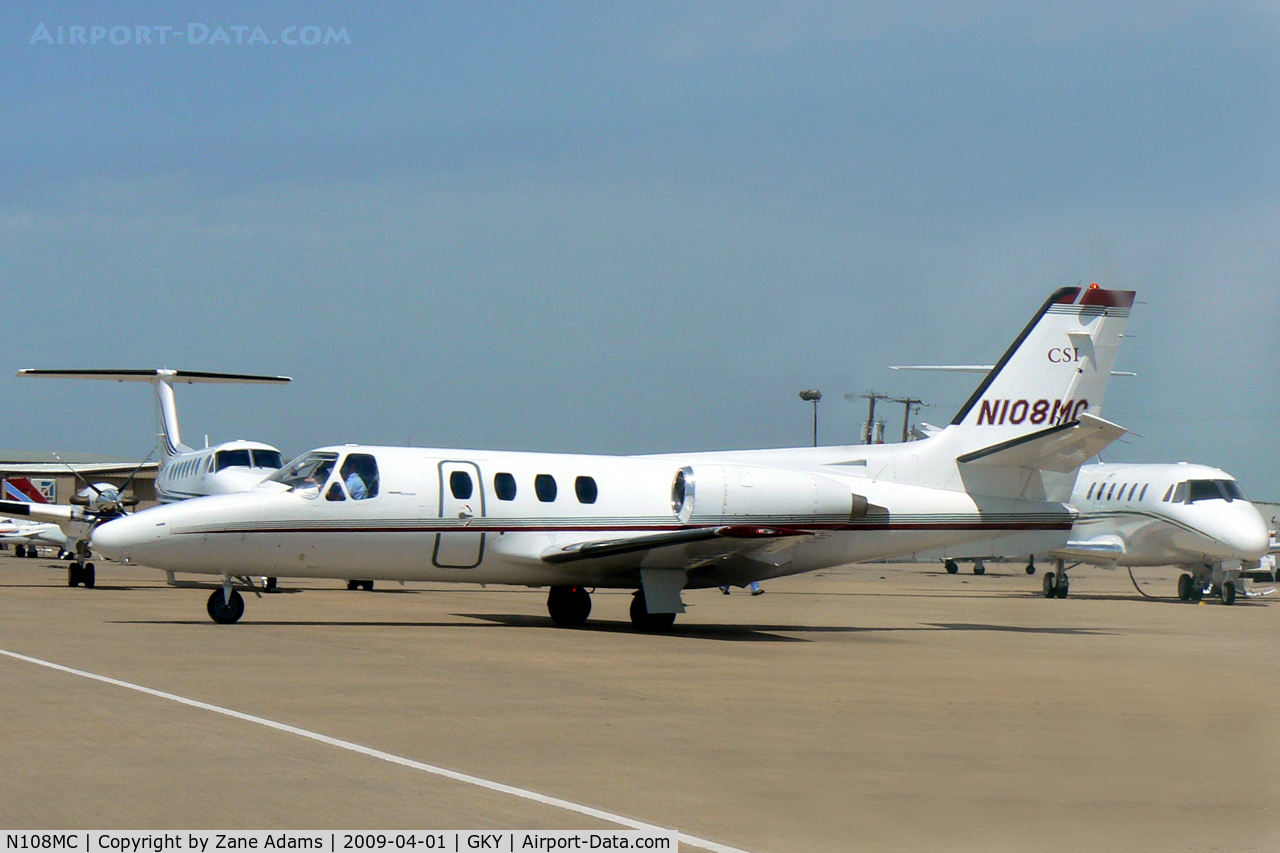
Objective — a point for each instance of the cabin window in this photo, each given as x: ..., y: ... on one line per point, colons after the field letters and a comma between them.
x: 504, y: 486
x: 1133, y: 489
x: 585, y: 489
x: 308, y: 471
x: 360, y: 475
x: 1111, y: 491
x: 208, y: 465
x: 1180, y: 493
x: 1120, y: 494
x: 1168, y: 494
x: 1089, y: 496
x: 335, y: 493
x: 267, y: 459
x: 233, y: 459
x: 1142, y: 495
x: 460, y: 485
x: 544, y: 486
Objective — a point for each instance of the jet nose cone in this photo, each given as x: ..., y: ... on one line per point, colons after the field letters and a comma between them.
x: 121, y: 539
x: 1249, y: 537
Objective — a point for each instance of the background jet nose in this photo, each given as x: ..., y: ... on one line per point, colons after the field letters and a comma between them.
x: 1249, y: 537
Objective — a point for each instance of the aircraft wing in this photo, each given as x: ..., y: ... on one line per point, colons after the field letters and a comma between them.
x: 55, y: 513
x: 1062, y: 448
x: 688, y: 548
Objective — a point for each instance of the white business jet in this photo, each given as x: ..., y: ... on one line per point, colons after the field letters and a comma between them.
x: 662, y: 524
x: 185, y: 472
x: 1192, y: 516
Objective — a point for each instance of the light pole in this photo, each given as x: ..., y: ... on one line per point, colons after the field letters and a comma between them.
x: 813, y: 395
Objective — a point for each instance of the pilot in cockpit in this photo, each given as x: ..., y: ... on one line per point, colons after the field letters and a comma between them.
x: 360, y: 474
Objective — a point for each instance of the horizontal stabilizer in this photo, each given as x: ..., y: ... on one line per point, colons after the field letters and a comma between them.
x: 971, y: 368
x: 188, y: 377
x: 638, y: 544
x: 55, y: 513
x: 1062, y: 448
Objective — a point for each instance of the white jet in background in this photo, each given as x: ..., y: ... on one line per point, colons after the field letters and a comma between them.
x: 185, y: 472
x: 662, y: 524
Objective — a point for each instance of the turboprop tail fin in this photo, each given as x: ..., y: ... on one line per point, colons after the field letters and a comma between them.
x: 164, y: 379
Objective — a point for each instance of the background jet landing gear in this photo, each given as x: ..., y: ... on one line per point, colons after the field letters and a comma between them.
x: 1031, y: 565
x: 951, y: 566
x: 367, y: 586
x: 979, y: 567
x: 1056, y: 584
x: 569, y: 606
x: 224, y: 608
x: 81, y: 573
x: 19, y: 550
x: 646, y: 621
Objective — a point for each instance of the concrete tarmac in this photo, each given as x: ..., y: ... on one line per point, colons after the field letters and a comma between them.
x: 870, y: 708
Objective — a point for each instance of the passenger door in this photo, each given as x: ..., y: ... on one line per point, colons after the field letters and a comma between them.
x: 462, y: 502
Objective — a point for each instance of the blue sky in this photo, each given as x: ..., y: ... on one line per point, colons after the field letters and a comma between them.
x: 625, y: 229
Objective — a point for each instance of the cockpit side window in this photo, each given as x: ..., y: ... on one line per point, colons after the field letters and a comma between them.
x: 360, y: 475
x: 335, y: 492
x: 308, y: 471
x: 232, y: 459
x: 1180, y: 493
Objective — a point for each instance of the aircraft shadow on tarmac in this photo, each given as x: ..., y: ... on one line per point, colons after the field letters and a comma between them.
x: 768, y: 633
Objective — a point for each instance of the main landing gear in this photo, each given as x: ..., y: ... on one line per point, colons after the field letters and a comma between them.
x: 951, y: 566
x: 569, y: 606
x: 1056, y: 584
x: 81, y: 573
x: 646, y: 621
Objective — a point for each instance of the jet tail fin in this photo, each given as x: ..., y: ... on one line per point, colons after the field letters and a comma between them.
x: 164, y: 380
x: 1056, y: 371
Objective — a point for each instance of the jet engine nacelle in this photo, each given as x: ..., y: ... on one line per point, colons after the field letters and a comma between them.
x: 727, y: 494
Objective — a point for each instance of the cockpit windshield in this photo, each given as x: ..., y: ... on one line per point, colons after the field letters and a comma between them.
x: 267, y: 459
x: 1213, y: 490
x: 308, y: 471
x: 231, y: 459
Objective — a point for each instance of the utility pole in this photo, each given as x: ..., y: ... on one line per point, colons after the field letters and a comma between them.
x: 907, y: 403
x: 813, y: 395
x: 869, y: 429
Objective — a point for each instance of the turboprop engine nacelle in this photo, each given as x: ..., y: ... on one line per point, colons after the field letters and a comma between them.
x: 717, y: 494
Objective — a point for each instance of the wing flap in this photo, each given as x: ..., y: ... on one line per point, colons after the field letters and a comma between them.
x: 718, y: 541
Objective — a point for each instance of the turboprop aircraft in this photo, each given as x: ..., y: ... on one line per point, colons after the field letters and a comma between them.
x: 662, y: 524
x: 185, y: 472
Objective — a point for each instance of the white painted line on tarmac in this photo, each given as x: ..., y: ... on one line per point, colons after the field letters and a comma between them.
x: 466, y: 778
